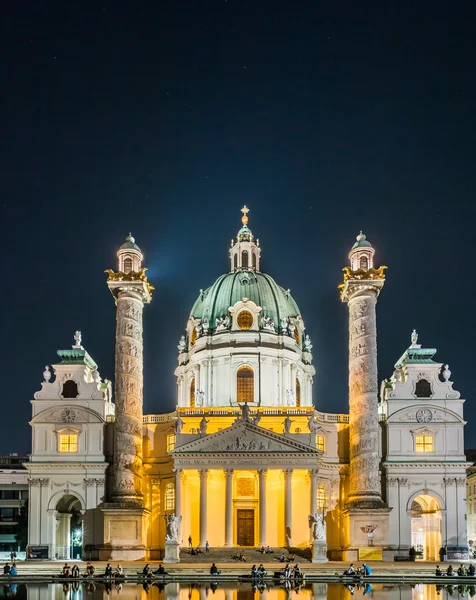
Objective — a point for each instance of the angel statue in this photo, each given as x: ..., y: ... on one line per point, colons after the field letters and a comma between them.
x: 172, y: 527
x: 317, y: 524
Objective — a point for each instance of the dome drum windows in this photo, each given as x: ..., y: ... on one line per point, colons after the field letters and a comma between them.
x: 245, y: 385
x: 244, y: 320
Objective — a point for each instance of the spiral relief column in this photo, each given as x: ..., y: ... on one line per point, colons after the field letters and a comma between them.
x: 124, y: 517
x: 360, y: 289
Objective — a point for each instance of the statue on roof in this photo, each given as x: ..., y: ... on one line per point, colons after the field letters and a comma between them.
x: 287, y: 425
x: 203, y: 426
x: 179, y: 424
x: 182, y: 344
x: 245, y: 411
x: 77, y: 340
x: 414, y: 338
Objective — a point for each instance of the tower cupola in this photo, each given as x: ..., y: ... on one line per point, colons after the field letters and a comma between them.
x: 245, y: 252
x: 361, y: 255
x: 129, y: 256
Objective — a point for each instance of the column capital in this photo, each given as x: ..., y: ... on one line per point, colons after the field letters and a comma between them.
x: 263, y: 473
x: 313, y: 473
x: 228, y: 473
x: 203, y: 473
x: 288, y: 473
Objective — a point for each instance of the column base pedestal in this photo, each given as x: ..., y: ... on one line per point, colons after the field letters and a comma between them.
x: 361, y: 543
x: 124, y: 532
x: 319, y: 552
x: 172, y: 552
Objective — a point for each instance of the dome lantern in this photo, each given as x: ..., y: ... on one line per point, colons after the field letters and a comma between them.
x: 245, y: 252
x: 361, y: 255
x: 129, y: 256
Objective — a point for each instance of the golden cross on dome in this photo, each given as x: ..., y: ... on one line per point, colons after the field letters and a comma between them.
x: 245, y: 210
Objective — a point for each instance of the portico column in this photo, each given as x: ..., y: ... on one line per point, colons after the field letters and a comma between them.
x: 288, y: 508
x: 262, y: 506
x: 229, y: 507
x: 203, y: 506
x: 178, y: 492
x: 313, y: 505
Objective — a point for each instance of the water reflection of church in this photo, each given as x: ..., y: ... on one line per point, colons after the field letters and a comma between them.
x: 246, y: 459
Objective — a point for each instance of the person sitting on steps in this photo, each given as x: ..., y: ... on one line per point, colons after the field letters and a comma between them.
x: 75, y: 571
x: 438, y: 571
x: 161, y: 570
x: 214, y: 570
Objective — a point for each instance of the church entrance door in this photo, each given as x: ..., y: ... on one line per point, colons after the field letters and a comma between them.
x: 245, y: 527
x: 426, y: 527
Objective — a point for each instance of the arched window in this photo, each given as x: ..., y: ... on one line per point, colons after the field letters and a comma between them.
x: 127, y: 265
x: 244, y: 259
x: 245, y: 385
x: 171, y: 439
x: 235, y: 261
x: 170, y: 496
x: 297, y: 337
x: 70, y: 389
x: 192, y: 393
x: 298, y: 392
x: 364, y: 263
x: 193, y: 336
x: 253, y: 257
x: 245, y: 320
x: 423, y: 389
x: 321, y: 497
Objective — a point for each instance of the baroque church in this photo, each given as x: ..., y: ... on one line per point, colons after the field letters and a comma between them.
x: 247, y: 459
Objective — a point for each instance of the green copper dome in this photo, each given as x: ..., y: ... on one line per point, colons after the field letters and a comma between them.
x: 130, y: 244
x: 361, y: 241
x: 275, y: 301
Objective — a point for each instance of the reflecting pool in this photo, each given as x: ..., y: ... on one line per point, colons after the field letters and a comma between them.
x: 228, y: 591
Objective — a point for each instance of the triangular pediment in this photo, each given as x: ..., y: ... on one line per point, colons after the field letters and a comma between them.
x: 245, y: 437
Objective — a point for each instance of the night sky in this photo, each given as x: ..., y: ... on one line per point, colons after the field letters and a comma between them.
x: 164, y: 117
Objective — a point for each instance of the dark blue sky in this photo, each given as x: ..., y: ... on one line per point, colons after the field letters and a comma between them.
x: 165, y: 117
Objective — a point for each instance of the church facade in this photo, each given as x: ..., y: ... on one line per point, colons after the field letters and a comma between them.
x: 246, y: 459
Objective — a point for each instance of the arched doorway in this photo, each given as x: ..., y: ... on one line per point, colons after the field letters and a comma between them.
x: 426, y: 527
x: 69, y: 528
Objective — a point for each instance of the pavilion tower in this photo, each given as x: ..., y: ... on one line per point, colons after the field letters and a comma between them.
x: 124, y: 516
x: 360, y: 290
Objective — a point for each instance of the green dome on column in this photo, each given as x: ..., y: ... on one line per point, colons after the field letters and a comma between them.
x: 214, y: 302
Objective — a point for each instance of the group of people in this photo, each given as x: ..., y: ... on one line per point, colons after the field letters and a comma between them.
x: 73, y: 572
x: 294, y: 573
x: 239, y: 557
x: 363, y: 571
x: 10, y: 569
x: 147, y: 571
x: 266, y: 550
x: 462, y: 571
x: 258, y: 571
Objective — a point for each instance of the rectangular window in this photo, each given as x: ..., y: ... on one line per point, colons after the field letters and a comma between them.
x: 321, y: 442
x: 68, y: 443
x: 424, y: 443
x: 171, y: 439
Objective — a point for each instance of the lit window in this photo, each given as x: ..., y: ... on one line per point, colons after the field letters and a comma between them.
x: 298, y: 430
x: 297, y: 337
x: 235, y: 262
x: 298, y: 393
x: 424, y: 443
x: 193, y: 336
x: 170, y: 496
x: 68, y: 443
x: 321, y: 496
x: 254, y: 260
x: 171, y: 439
x: 321, y: 442
x: 245, y: 385
x: 244, y: 259
x: 364, y: 263
x: 192, y: 393
x: 127, y: 265
x: 245, y: 320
